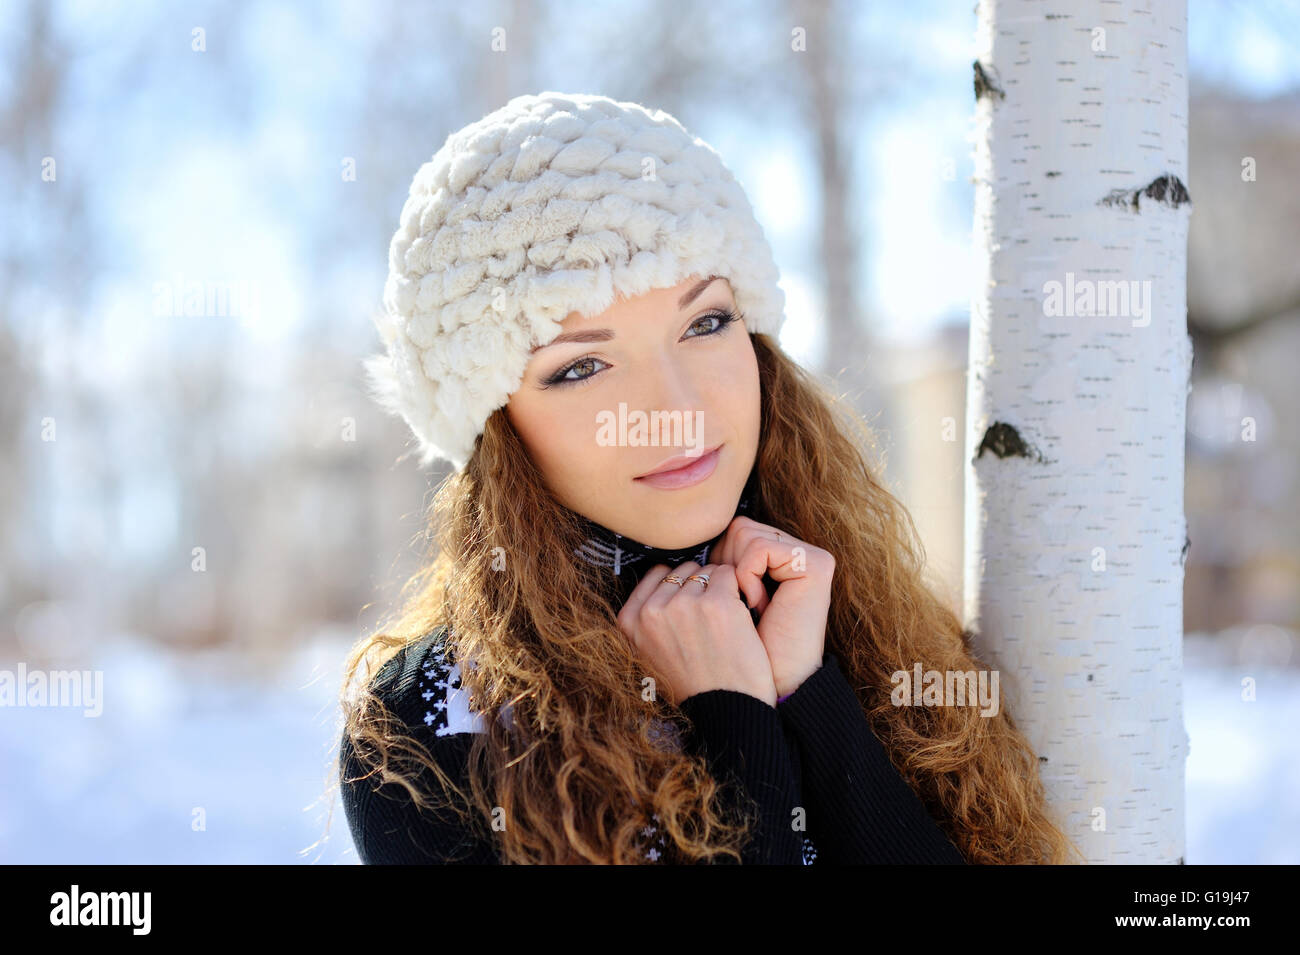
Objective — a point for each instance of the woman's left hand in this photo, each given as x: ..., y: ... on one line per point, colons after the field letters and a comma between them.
x: 792, y: 624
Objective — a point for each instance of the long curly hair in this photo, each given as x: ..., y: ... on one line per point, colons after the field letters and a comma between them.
x: 578, y: 769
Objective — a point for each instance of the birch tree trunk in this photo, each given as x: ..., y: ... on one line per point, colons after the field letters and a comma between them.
x: 1075, y: 535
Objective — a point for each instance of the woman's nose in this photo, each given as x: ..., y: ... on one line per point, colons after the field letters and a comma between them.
x: 672, y: 388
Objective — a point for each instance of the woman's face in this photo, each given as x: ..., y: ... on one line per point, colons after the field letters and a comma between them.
x: 659, y: 376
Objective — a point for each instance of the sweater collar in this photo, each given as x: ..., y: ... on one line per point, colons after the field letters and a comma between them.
x: 626, y: 560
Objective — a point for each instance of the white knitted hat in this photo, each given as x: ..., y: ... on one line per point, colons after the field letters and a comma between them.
x: 554, y: 203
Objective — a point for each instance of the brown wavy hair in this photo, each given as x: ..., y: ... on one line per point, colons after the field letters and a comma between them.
x: 578, y: 770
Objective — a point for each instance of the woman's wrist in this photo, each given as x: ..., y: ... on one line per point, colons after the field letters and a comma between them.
x: 782, y: 697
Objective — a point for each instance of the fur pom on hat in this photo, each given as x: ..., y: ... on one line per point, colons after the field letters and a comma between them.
x: 554, y: 203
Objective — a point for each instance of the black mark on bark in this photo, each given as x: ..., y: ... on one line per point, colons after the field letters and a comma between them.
x: 1168, y: 189
x: 1187, y: 545
x: 1052, y: 172
x: 985, y: 85
x: 1005, y: 441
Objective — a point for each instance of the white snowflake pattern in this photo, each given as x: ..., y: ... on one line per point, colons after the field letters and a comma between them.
x: 449, y: 704
x: 658, y: 848
x: 809, y: 852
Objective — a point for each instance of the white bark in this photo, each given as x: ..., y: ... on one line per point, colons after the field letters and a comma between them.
x: 1075, y: 424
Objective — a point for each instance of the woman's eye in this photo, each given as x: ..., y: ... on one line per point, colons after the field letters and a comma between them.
x: 721, y: 318
x: 561, y: 377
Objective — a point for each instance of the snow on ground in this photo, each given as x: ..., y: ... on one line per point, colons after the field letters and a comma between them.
x: 175, y: 734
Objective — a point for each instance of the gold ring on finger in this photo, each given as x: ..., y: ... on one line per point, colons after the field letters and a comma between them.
x: 702, y: 578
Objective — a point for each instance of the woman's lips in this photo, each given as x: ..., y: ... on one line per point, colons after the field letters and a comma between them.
x: 691, y: 474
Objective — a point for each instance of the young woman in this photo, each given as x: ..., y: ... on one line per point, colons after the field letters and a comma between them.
x: 668, y: 594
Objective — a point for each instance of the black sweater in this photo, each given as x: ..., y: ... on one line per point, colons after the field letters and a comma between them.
x: 813, y: 752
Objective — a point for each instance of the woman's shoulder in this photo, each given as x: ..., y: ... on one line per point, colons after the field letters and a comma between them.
x: 421, y: 685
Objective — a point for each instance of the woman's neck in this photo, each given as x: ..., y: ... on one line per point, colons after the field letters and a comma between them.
x: 627, y: 559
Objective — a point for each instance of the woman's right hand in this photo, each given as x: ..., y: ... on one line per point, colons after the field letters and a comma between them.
x: 697, y: 638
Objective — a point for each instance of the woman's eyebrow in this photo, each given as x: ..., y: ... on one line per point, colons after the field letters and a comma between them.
x: 695, y: 291
x: 606, y: 334
x: 586, y: 335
